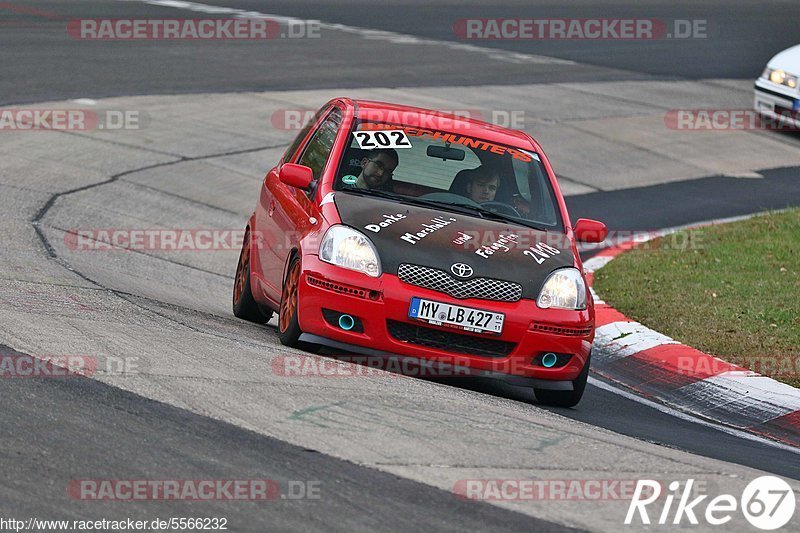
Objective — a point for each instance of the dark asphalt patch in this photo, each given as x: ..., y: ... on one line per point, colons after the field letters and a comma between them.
x: 686, y: 202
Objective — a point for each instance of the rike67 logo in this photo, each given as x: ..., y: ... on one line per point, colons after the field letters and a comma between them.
x: 767, y: 502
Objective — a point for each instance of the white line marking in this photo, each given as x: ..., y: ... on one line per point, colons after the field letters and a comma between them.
x: 365, y: 33
x: 622, y: 339
x: 765, y: 394
x: 774, y: 398
x: 683, y: 416
x: 744, y: 175
x: 595, y: 263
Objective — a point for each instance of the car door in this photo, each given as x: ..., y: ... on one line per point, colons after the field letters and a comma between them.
x: 291, y: 209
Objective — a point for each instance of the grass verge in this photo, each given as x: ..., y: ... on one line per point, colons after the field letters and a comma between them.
x: 731, y: 290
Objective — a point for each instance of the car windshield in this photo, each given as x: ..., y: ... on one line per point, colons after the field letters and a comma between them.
x: 440, y: 168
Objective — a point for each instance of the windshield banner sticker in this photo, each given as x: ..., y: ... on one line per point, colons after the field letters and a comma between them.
x: 372, y: 128
x: 470, y: 142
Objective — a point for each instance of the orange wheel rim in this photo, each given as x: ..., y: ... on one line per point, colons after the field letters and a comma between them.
x: 241, y: 269
x: 289, y: 296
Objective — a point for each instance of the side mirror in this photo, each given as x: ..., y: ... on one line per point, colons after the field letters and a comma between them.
x: 299, y: 176
x: 588, y: 230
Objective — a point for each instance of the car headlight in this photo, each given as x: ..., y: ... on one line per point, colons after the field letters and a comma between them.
x: 345, y: 247
x: 563, y: 289
x: 781, y: 77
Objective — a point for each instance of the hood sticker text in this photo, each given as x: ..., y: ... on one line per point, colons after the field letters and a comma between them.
x: 435, y: 225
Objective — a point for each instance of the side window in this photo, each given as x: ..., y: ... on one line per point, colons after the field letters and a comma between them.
x: 289, y: 153
x: 534, y: 187
x: 522, y: 172
x: 320, y: 145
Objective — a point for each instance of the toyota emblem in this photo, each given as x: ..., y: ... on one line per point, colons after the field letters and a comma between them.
x: 461, y: 270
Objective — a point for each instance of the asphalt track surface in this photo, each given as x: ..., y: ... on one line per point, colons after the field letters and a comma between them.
x: 79, y: 427
x: 98, y: 425
x: 35, y: 48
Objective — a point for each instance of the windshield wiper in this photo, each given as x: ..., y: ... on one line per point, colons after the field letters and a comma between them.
x: 374, y: 192
x: 450, y: 206
x: 494, y: 215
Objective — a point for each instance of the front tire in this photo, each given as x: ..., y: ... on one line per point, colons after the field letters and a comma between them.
x: 244, y: 305
x: 288, y: 326
x: 562, y: 398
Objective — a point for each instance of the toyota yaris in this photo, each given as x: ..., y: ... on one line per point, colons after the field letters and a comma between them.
x: 394, y: 231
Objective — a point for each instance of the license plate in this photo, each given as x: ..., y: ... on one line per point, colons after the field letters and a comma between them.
x: 456, y: 316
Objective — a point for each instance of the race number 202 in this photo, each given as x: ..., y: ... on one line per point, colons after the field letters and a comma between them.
x: 382, y: 139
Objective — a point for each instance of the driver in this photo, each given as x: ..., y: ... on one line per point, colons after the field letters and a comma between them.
x: 377, y: 169
x: 483, y: 186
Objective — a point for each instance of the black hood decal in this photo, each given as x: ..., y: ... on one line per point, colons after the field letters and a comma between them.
x: 428, y: 237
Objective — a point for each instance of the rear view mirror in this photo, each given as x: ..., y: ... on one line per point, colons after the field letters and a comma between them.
x: 296, y: 175
x: 588, y: 230
x: 445, y: 153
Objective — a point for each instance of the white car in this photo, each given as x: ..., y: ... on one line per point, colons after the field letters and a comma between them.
x: 777, y: 94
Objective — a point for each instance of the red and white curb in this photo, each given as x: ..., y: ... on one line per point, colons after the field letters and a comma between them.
x: 660, y: 368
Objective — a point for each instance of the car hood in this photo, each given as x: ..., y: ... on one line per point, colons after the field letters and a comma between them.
x: 788, y: 60
x: 428, y: 237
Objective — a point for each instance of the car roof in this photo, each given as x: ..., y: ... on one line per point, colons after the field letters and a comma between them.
x: 428, y: 118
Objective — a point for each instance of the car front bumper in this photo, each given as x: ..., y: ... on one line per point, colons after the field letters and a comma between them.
x: 779, y: 103
x: 381, y: 307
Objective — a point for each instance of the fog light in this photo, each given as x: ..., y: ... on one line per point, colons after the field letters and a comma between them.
x: 549, y: 360
x: 346, y: 322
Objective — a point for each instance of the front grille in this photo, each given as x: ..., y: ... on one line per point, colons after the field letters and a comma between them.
x: 787, y: 113
x: 441, y: 281
x: 774, y: 93
x: 448, y: 341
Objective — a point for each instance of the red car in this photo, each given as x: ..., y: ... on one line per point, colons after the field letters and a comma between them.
x: 395, y: 231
